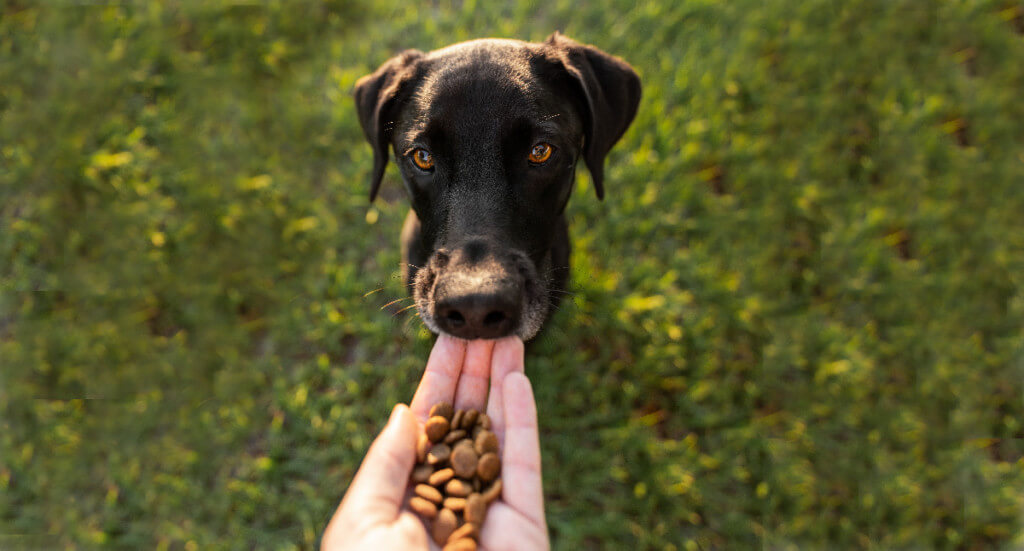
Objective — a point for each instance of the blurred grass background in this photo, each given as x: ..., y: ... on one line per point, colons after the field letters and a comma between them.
x: 796, y: 322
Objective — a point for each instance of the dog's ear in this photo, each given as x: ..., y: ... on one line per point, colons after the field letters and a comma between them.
x: 611, y: 94
x: 375, y: 96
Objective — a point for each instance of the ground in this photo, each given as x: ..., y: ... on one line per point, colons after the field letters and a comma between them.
x: 795, y: 322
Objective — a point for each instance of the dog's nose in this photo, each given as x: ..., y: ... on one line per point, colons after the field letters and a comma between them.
x: 478, y: 315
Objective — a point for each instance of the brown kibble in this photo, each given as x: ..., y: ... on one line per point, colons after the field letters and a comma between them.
x: 464, y: 460
x: 440, y: 477
x: 468, y: 530
x: 488, y: 468
x: 455, y: 503
x: 429, y: 493
x: 464, y: 544
x: 454, y: 436
x: 438, y: 454
x: 492, y: 493
x: 422, y: 445
x: 469, y: 419
x: 444, y: 409
x: 422, y: 507
x: 458, y: 488
x: 476, y: 509
x: 422, y: 473
x: 444, y: 525
x: 485, y: 442
x: 436, y: 428
x: 457, y: 475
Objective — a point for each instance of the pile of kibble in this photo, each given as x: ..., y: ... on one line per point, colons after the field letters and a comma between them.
x: 457, y: 475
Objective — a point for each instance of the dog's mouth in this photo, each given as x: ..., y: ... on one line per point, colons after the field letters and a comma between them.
x: 479, y: 291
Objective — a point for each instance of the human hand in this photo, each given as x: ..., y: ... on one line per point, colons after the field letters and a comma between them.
x: 484, y: 375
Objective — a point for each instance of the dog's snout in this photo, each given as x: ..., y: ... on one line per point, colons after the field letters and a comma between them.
x: 475, y: 250
x: 479, y: 315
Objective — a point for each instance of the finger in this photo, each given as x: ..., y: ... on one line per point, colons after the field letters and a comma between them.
x: 379, y: 486
x: 520, y: 472
x: 440, y: 376
x: 507, y: 358
x: 472, y: 390
x: 503, y: 520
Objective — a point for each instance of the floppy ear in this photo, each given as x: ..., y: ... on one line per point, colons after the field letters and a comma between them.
x: 375, y: 100
x: 611, y: 93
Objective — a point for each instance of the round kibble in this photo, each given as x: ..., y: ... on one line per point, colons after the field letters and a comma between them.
x: 422, y: 473
x: 429, y: 493
x: 485, y: 442
x: 489, y: 467
x: 492, y: 493
x: 455, y: 503
x: 469, y: 419
x: 465, y: 544
x: 440, y: 477
x: 476, y: 509
x: 456, y: 476
x: 444, y: 525
x: 438, y: 454
x: 444, y: 409
x: 422, y: 507
x: 454, y: 436
x: 436, y: 428
x: 458, y: 488
x: 464, y: 460
x: 468, y: 530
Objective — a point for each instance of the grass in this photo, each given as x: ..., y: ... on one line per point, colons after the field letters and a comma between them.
x: 796, y: 322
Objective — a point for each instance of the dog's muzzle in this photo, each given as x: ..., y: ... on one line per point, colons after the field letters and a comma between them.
x: 477, y: 290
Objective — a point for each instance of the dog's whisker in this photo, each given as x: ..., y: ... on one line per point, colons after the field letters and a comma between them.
x: 373, y: 291
x: 404, y: 309
x: 397, y: 300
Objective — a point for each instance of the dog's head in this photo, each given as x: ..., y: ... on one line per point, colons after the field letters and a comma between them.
x: 487, y: 135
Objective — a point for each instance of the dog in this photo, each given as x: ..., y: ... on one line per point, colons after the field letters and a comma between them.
x: 487, y: 134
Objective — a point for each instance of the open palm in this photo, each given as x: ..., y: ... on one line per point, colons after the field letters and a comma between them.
x: 483, y: 375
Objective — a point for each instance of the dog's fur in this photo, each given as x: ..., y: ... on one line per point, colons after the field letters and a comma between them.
x: 485, y: 246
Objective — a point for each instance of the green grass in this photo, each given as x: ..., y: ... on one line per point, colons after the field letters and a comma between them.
x: 796, y: 322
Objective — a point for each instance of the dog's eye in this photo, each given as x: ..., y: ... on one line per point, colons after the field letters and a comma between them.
x: 423, y: 159
x: 540, y: 153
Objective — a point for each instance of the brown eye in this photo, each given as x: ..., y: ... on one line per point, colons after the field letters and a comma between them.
x: 423, y: 159
x: 540, y: 153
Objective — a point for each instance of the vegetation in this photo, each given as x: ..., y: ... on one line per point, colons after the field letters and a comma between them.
x: 796, y: 322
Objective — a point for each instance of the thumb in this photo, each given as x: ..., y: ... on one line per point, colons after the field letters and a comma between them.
x: 379, y: 486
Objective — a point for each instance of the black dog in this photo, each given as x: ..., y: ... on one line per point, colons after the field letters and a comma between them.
x: 486, y: 134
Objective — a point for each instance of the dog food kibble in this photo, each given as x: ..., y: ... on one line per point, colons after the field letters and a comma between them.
x: 464, y: 460
x: 438, y: 454
x: 489, y: 467
x: 485, y: 442
x: 457, y: 475
x: 423, y: 507
x: 436, y: 428
x: 454, y: 436
x: 444, y: 409
x: 458, y: 488
x: 494, y: 492
x: 429, y: 493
